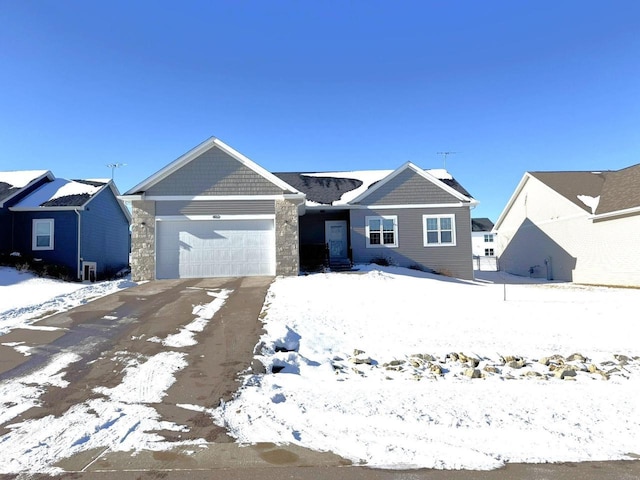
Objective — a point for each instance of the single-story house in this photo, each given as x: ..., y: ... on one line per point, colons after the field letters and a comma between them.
x: 580, y: 226
x: 214, y: 212
x: 77, y: 224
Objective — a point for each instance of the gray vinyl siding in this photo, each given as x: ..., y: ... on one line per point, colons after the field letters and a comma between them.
x: 451, y: 260
x: 215, y: 207
x: 214, y: 173
x: 408, y: 188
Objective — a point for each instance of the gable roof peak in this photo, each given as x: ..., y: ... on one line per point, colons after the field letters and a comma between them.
x: 198, y: 150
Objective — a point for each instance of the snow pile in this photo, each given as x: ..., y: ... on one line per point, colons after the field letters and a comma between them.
x: 25, y: 298
x: 413, y: 370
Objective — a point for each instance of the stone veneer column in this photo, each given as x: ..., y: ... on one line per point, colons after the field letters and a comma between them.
x: 287, y: 239
x: 143, y: 241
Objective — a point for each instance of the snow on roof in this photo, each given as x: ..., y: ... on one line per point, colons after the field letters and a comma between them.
x: 367, y: 177
x: 77, y: 192
x: 20, y: 178
x: 591, y: 202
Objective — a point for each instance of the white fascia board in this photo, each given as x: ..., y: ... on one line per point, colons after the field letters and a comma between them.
x: 199, y: 150
x: 525, y: 178
x: 403, y: 206
x: 617, y: 213
x: 173, y: 218
x: 195, y: 198
x: 46, y: 209
x: 131, y: 198
x: 426, y: 175
x: 409, y: 206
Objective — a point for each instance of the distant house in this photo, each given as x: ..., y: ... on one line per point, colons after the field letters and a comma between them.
x: 214, y: 212
x: 575, y: 226
x: 483, y: 244
x: 77, y: 224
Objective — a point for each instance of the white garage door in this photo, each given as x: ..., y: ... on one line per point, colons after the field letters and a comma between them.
x: 215, y: 248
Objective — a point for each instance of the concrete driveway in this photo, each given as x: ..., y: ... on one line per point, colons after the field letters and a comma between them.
x: 123, y: 321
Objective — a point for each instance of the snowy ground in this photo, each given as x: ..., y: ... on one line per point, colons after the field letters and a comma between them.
x: 25, y: 298
x: 387, y: 367
x: 399, y: 369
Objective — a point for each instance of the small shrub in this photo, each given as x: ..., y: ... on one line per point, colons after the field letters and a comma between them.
x: 382, y: 261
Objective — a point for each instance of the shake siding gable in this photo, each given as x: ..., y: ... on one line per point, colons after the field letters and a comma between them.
x: 408, y: 188
x: 214, y: 173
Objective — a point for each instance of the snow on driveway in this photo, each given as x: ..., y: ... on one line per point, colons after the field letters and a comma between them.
x: 120, y: 418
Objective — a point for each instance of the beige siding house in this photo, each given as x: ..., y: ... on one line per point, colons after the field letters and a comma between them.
x: 582, y: 227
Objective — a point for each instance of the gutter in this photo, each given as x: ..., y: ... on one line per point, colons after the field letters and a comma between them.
x: 79, y: 267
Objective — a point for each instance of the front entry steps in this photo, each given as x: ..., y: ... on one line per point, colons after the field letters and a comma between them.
x: 340, y: 265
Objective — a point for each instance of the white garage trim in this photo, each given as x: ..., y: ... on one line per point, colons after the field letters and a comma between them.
x: 229, y: 247
x: 172, y: 218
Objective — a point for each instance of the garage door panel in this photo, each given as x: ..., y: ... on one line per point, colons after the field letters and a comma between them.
x: 222, y: 248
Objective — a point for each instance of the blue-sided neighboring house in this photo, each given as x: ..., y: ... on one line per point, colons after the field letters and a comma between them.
x: 78, y: 224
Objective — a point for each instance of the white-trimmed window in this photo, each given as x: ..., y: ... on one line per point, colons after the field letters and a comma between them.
x: 439, y: 230
x: 381, y: 231
x: 488, y: 237
x: 42, y: 238
x: 488, y: 252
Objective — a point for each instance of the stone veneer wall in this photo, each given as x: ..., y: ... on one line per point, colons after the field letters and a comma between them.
x: 287, y: 239
x: 143, y: 241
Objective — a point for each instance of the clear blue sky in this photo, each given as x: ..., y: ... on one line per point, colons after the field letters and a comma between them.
x: 325, y: 85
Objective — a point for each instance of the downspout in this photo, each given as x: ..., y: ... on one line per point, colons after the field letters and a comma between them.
x: 78, y: 267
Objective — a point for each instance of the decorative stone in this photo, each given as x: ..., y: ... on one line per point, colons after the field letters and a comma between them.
x: 361, y: 360
x: 472, y: 373
x: 623, y: 359
x: 491, y: 369
x: 357, y: 352
x: 532, y: 373
x: 576, y: 357
x: 563, y: 373
x: 544, y: 361
x: 516, y: 364
x: 435, y: 368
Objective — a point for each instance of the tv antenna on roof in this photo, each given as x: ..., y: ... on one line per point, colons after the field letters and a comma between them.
x: 444, y: 157
x: 113, y: 166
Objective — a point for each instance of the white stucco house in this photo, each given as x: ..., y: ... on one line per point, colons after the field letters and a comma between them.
x: 578, y: 226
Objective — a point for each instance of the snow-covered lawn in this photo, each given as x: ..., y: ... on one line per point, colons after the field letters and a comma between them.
x: 387, y: 367
x: 397, y: 369
x: 24, y: 297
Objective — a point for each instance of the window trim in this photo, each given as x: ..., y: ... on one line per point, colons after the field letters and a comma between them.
x: 488, y: 238
x: 34, y: 235
x: 489, y: 252
x: 425, y: 235
x: 367, y: 232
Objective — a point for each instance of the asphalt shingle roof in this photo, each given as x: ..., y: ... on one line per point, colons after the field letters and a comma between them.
x: 617, y: 189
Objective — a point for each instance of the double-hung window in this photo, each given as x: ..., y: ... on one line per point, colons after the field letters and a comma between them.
x: 381, y: 231
x: 439, y: 230
x: 488, y: 237
x: 42, y: 238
